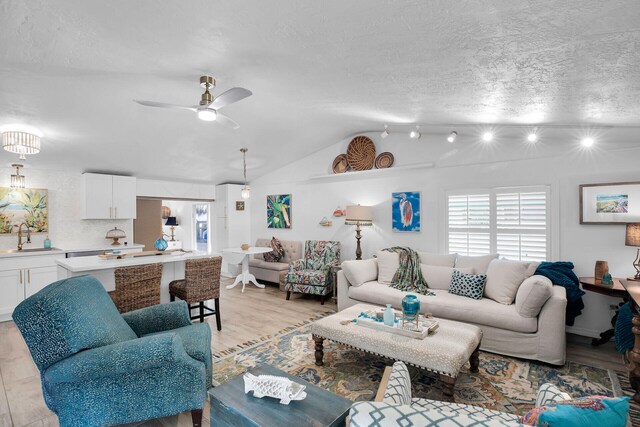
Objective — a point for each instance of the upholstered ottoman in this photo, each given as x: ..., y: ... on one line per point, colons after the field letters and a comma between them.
x: 443, y: 352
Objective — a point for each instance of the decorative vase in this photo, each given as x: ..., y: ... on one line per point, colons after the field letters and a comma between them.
x: 410, y: 307
x: 607, y: 279
x: 602, y: 267
x: 389, y: 317
x: 160, y: 244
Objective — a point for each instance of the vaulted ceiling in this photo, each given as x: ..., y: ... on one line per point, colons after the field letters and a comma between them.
x: 319, y: 71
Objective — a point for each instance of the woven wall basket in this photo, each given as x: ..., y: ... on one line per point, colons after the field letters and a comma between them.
x: 340, y: 164
x: 384, y: 160
x: 361, y: 153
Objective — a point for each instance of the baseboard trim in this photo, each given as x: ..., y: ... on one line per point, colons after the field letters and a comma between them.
x: 585, y: 332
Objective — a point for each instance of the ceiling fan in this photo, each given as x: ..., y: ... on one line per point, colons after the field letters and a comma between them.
x: 208, y: 108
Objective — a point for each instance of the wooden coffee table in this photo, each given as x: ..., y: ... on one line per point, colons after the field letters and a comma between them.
x: 443, y: 352
x: 231, y: 407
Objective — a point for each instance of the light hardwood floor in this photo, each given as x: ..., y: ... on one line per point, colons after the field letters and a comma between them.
x: 246, y: 317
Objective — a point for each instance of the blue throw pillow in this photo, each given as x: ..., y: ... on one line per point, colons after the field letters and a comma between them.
x: 587, y: 411
x: 467, y: 285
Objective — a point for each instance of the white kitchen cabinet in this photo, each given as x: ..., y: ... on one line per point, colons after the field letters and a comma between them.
x: 38, y: 278
x: 11, y: 292
x: 108, y: 196
x: 23, y: 276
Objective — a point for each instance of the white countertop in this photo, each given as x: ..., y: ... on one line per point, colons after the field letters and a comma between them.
x: 92, y: 263
x: 27, y: 253
x: 249, y: 251
x: 105, y: 247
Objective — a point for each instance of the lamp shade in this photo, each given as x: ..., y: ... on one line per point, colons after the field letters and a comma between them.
x: 633, y: 235
x: 171, y: 221
x: 359, y: 215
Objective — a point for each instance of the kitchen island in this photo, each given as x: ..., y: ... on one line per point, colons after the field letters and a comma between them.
x: 173, y: 264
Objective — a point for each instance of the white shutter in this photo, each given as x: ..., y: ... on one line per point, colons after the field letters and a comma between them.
x: 468, y: 224
x: 522, y: 225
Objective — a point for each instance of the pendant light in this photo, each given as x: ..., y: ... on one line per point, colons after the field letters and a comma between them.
x: 20, y: 142
x: 17, y: 180
x: 246, y: 191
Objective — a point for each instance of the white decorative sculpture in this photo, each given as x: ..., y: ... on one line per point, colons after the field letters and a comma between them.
x: 279, y: 387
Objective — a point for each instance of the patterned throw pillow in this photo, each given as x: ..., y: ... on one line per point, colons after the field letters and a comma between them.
x: 467, y: 285
x: 277, y: 252
x: 587, y: 411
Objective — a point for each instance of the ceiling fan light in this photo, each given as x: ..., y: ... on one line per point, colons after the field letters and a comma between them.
x: 207, y: 114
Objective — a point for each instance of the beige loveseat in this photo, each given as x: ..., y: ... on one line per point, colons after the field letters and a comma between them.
x: 524, y: 328
x: 270, y: 271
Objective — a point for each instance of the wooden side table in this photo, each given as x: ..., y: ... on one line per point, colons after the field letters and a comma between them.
x: 617, y: 291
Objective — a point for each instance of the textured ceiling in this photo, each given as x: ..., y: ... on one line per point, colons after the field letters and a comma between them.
x: 319, y: 71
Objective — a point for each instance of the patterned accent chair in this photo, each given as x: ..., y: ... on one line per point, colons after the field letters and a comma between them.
x: 312, y: 274
x: 395, y: 406
x: 99, y: 367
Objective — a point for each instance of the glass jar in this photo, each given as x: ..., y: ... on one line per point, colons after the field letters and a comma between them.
x: 410, y: 307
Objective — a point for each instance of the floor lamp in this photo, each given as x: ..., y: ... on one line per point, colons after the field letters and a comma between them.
x: 359, y: 216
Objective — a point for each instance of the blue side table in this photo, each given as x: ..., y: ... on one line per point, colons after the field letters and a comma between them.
x: 231, y: 407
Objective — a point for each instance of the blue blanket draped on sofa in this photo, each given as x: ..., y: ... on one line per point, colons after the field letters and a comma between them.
x: 561, y: 273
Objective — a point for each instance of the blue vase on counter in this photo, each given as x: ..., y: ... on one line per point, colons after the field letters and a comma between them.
x: 388, y: 316
x: 410, y: 307
x: 160, y: 244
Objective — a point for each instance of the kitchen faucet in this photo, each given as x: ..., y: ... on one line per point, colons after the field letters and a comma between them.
x: 20, y: 235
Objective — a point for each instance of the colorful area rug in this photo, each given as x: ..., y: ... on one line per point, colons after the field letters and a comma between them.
x: 219, y: 353
x: 502, y: 383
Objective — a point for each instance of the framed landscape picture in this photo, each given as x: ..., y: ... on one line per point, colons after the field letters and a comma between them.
x: 279, y: 211
x: 28, y: 205
x: 612, y: 203
x: 405, y: 211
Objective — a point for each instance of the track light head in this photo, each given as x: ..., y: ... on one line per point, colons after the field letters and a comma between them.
x: 385, y: 132
x: 452, y: 136
x: 415, y: 134
x: 587, y: 142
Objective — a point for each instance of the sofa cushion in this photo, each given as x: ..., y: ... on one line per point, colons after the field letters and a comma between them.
x: 478, y: 263
x: 388, y: 263
x: 439, y: 277
x: 276, y: 266
x: 585, y: 411
x: 277, y: 252
x: 449, y: 306
x: 428, y: 258
x: 307, y: 277
x: 359, y: 271
x: 549, y: 393
x: 532, y: 295
x: 504, y: 278
x: 467, y: 285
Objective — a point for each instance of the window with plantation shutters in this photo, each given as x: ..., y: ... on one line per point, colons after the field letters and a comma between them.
x: 469, y: 222
x: 513, y: 222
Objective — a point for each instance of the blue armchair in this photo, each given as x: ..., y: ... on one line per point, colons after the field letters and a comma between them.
x: 100, y: 368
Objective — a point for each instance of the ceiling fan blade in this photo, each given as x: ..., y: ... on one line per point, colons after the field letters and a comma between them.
x: 226, y: 120
x: 229, y: 97
x: 163, y: 105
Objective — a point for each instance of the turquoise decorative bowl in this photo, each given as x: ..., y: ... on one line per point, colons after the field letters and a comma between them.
x: 160, y: 245
x: 410, y: 307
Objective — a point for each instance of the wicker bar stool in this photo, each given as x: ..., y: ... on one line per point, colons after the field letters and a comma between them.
x: 137, y: 287
x: 201, y: 283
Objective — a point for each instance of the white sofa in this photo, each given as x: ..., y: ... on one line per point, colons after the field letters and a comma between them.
x: 526, y: 328
x: 271, y: 271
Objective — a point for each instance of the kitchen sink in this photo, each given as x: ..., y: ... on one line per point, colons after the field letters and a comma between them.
x: 15, y: 251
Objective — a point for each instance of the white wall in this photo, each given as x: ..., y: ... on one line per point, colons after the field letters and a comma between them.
x: 559, y: 164
x: 66, y: 229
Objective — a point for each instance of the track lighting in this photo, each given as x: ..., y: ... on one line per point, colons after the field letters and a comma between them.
x: 587, y: 142
x: 487, y: 137
x: 415, y: 134
x: 452, y: 136
x: 532, y: 137
x: 385, y: 132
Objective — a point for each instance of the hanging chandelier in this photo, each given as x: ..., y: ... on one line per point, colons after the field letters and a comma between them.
x: 17, y: 180
x: 20, y: 142
x: 245, y: 193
